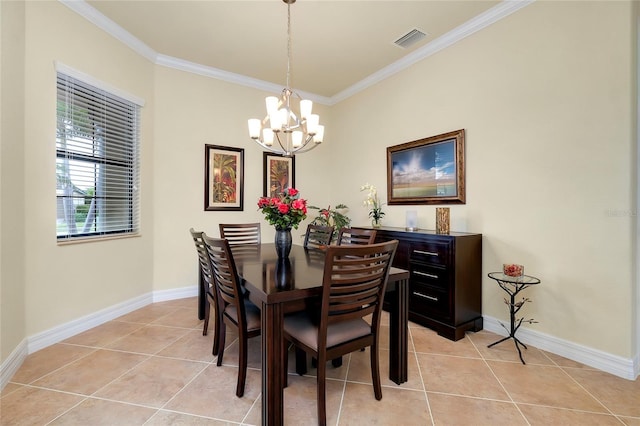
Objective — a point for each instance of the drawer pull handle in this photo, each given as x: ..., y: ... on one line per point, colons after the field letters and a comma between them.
x: 435, y: 299
x: 424, y: 274
x: 428, y: 253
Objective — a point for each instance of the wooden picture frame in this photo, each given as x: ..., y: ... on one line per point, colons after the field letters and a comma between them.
x: 279, y: 173
x: 427, y: 171
x: 223, y: 178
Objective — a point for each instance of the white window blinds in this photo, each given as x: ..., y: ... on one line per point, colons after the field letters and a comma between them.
x: 97, y: 161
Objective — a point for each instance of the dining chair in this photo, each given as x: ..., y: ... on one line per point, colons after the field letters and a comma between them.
x: 318, y: 235
x: 236, y: 309
x: 352, y: 236
x: 240, y: 233
x: 356, y: 236
x: 354, y: 281
x: 209, y: 290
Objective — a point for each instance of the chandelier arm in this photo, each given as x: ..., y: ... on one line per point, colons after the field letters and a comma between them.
x: 302, y: 151
x: 270, y: 149
x: 285, y: 150
x: 309, y: 144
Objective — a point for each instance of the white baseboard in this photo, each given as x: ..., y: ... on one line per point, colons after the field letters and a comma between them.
x: 13, y: 363
x: 176, y: 293
x: 64, y: 331
x: 57, y: 334
x: 627, y: 368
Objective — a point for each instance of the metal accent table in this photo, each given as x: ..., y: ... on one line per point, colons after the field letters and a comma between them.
x: 513, y: 286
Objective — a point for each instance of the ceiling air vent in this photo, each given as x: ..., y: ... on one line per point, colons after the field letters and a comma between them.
x: 410, y: 38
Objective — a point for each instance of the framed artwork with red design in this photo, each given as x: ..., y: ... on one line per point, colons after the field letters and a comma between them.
x: 279, y: 173
x: 223, y: 178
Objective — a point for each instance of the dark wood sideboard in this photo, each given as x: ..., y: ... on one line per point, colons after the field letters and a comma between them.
x: 445, y: 284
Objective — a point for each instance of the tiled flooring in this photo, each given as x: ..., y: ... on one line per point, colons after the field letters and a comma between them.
x: 154, y: 367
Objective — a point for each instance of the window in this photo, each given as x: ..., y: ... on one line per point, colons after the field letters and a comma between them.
x: 97, y: 161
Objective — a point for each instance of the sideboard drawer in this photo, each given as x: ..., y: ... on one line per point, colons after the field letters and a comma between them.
x: 426, y: 299
x: 430, y: 275
x: 434, y: 252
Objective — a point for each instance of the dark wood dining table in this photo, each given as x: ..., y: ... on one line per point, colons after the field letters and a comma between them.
x: 278, y: 287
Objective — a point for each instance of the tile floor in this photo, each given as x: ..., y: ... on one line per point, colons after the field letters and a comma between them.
x: 154, y: 367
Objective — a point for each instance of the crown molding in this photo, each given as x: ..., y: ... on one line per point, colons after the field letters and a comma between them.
x: 99, y: 20
x: 243, y: 80
x: 496, y: 13
x: 479, y: 22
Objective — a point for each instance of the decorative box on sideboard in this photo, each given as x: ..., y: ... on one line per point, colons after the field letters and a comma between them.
x: 445, y: 278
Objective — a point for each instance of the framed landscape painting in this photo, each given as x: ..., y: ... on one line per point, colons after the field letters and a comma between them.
x: 223, y: 178
x: 279, y: 173
x: 427, y: 171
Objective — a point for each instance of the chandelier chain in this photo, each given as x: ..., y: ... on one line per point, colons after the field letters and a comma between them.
x: 288, y: 45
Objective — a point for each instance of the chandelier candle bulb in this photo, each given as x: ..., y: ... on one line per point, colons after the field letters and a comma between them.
x: 305, y: 108
x: 313, y: 121
x: 267, y: 135
x: 254, y: 128
x: 274, y: 120
x: 317, y: 138
x: 272, y: 104
x: 284, y: 119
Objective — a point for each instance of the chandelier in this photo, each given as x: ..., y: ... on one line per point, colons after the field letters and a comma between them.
x: 285, y: 131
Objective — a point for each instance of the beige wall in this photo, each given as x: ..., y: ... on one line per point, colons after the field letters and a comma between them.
x: 547, y: 103
x: 192, y: 111
x: 12, y: 255
x: 71, y: 281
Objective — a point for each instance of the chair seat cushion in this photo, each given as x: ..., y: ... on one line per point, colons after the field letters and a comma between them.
x: 301, y: 326
x: 252, y: 312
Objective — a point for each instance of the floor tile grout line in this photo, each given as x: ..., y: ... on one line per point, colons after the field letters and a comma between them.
x: 209, y: 364
x: 500, y: 383
x: 424, y: 387
x: 344, y: 390
x: 92, y: 396
x: 111, y: 342
x: 447, y: 355
x: 200, y: 416
x: 66, y: 411
x: 185, y: 386
x: 480, y: 398
x: 176, y: 358
x: 578, y: 410
x: 171, y: 342
x: 587, y: 391
x: 61, y: 367
x: 148, y: 357
x: 258, y: 398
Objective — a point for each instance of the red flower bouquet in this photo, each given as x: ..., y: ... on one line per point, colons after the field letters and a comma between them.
x: 285, y: 211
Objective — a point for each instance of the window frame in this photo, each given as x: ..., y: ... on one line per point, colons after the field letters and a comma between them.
x: 104, y: 149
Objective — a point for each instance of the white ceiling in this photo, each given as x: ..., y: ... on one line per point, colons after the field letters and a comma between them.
x: 338, y: 47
